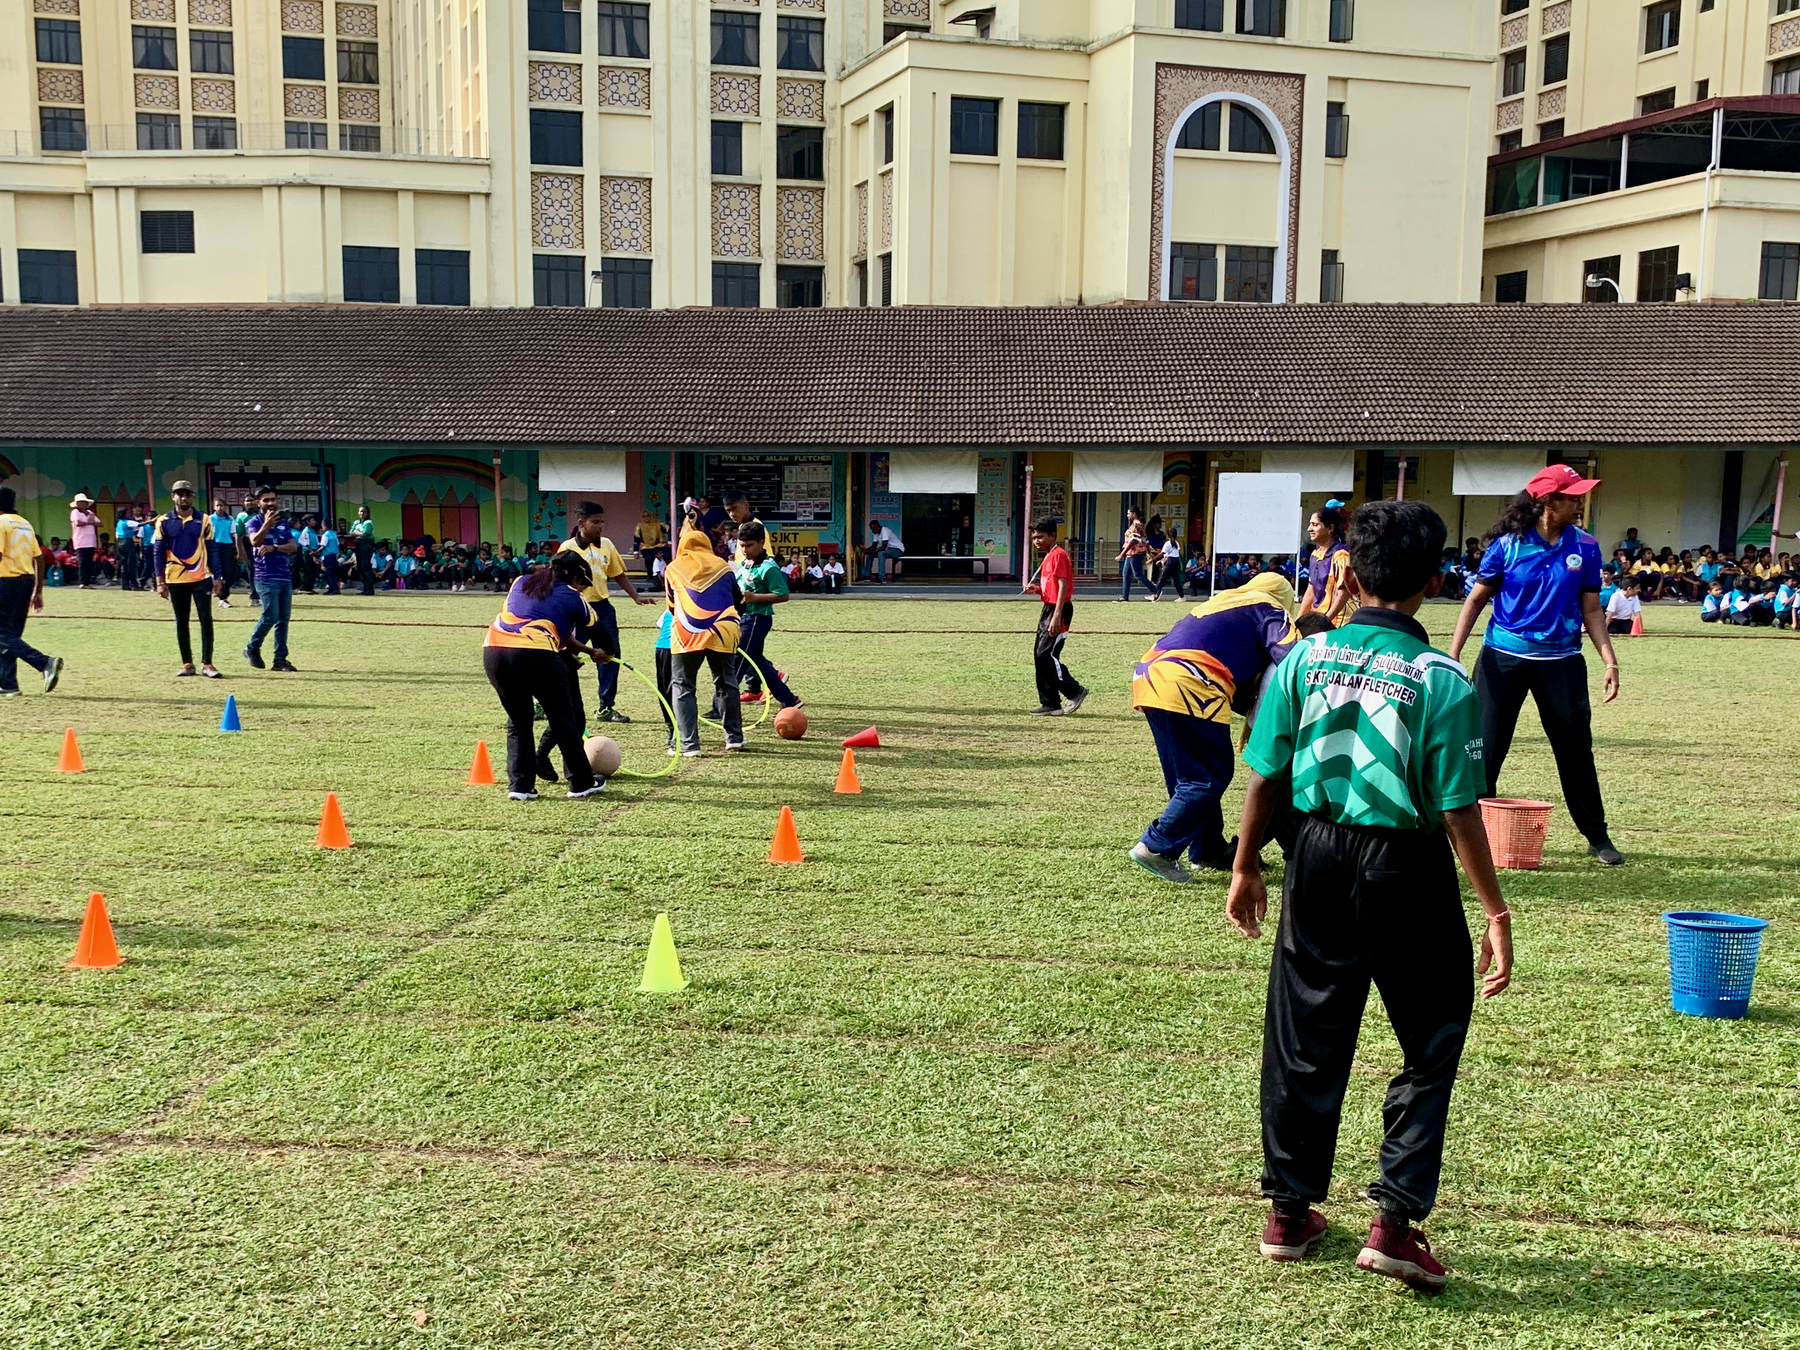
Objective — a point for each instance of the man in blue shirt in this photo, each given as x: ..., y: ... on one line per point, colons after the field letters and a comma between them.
x: 125, y: 540
x: 1543, y: 574
x: 272, y: 546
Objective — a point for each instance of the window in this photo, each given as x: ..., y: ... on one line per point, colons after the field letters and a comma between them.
x: 890, y: 31
x: 800, y: 153
x: 153, y: 48
x: 307, y: 136
x: 1512, y: 73
x: 1331, y: 278
x: 159, y: 131
x: 1556, y: 59
x: 47, y: 277
x: 862, y: 283
x: 555, y: 137
x: 737, y: 285
x: 215, y: 133
x: 1786, y: 6
x: 1193, y: 272
x: 734, y: 39
x: 1509, y: 288
x: 624, y: 30
x: 799, y: 43
x: 556, y: 279
x: 1249, y: 274
x: 1263, y: 18
x: 1603, y: 270
x: 1201, y: 131
x: 209, y: 52
x: 799, y: 287
x: 59, y: 41
x: 1702, y: 90
x: 1784, y: 76
x: 1343, y: 20
x: 1337, y: 131
x: 1662, y: 25
x: 1706, y: 6
x: 359, y: 63
x: 372, y: 275
x: 887, y: 279
x: 1510, y: 140
x: 728, y: 148
x: 974, y: 126
x: 887, y: 134
x: 1205, y: 16
x: 625, y: 283
x: 166, y: 231
x: 1551, y: 130
x: 1513, y: 6
x: 1657, y: 274
x: 1780, y: 272
x: 352, y: 137
x: 1248, y: 134
x: 303, y: 58
x: 552, y: 26
x: 1661, y: 101
x: 62, y: 128
x: 1041, y: 130
x: 441, y: 276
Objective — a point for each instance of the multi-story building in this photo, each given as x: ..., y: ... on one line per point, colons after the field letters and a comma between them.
x: 1645, y: 151
x: 743, y: 152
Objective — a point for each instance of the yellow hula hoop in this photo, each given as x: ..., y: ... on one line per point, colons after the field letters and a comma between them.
x: 649, y: 684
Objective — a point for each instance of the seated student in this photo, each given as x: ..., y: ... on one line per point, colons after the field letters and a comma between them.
x: 1609, y: 584
x: 1713, y: 605
x: 1471, y: 555
x: 1782, y: 601
x: 1648, y: 574
x: 505, y: 570
x: 815, y: 575
x: 1195, y: 572
x: 1624, y: 606
x: 1453, y: 586
x: 404, y: 566
x: 834, y: 574
x: 1706, y: 571
x: 1748, y: 606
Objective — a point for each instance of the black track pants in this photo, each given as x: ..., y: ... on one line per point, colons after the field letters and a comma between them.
x: 519, y: 676
x: 1364, y: 906
x: 194, y: 595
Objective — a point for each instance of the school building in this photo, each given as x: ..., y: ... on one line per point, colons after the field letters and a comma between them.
x: 955, y: 426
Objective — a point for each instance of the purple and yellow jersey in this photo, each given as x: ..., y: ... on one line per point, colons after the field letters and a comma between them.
x: 182, y: 548
x: 705, y: 615
x: 539, y: 625
x: 1215, y: 656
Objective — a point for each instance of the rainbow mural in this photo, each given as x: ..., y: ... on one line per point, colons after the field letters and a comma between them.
x: 391, y: 471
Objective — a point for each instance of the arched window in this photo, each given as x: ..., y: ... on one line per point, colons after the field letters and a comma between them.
x: 1201, y: 131
x: 1249, y: 134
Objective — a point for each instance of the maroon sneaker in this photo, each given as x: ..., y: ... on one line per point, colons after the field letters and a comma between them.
x: 1399, y: 1250
x: 1288, y: 1237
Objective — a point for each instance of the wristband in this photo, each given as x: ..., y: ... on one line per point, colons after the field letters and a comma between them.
x: 1503, y: 914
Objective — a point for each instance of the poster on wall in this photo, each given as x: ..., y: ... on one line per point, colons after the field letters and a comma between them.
x: 993, y: 508
x: 782, y: 489
x: 1050, y: 497
x: 884, y: 505
x: 1174, y: 502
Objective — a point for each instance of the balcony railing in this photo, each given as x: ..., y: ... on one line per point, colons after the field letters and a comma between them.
x: 250, y: 136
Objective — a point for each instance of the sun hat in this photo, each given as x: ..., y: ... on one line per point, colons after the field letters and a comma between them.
x: 79, y: 498
x: 1560, y: 478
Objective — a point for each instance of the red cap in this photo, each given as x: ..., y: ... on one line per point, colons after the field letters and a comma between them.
x: 1560, y: 478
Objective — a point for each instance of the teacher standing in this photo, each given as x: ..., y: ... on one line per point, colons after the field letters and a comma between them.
x: 1543, y: 574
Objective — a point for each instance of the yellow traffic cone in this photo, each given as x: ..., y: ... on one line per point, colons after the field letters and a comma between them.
x: 662, y: 968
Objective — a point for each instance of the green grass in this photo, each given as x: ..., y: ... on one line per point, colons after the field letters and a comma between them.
x: 966, y: 1077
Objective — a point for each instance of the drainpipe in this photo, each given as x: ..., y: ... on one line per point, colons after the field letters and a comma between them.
x: 1712, y: 165
x: 150, y: 477
x: 1780, y: 492
x: 499, y: 509
x: 1025, y: 533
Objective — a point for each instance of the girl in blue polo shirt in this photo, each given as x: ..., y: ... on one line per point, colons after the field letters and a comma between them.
x: 1543, y: 575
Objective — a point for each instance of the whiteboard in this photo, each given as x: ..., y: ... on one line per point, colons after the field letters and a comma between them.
x: 1257, y: 513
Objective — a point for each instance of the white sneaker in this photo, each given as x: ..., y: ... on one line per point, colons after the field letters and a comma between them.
x: 594, y: 791
x: 521, y: 796
x: 734, y: 745
x: 1169, y: 869
x: 690, y: 754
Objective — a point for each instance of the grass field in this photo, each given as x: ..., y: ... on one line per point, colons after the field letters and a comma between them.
x: 964, y: 1078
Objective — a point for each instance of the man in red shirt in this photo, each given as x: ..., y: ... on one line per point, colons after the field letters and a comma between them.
x: 1056, y: 585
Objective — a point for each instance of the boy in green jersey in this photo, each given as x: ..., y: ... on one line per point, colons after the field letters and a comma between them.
x: 1376, y: 739
x: 764, y: 586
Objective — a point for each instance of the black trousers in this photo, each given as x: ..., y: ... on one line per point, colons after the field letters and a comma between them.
x: 186, y: 595
x: 606, y: 676
x: 1054, y: 682
x: 365, y: 571
x: 1560, y: 690
x: 130, y: 564
x: 521, y: 675
x: 571, y: 664
x: 84, y: 566
x: 1364, y: 906
x: 15, y: 608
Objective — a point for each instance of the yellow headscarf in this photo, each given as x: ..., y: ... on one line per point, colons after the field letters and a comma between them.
x: 1263, y: 588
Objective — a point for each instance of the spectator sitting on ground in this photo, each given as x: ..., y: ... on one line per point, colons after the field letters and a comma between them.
x: 1471, y: 555
x: 1713, y: 607
x: 1630, y: 545
x: 1624, y: 605
x: 1749, y: 607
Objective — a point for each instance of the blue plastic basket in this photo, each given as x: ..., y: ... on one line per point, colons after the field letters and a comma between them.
x: 1712, y: 962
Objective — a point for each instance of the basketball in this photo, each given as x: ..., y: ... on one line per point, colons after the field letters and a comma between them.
x: 604, y: 755
x: 790, y: 724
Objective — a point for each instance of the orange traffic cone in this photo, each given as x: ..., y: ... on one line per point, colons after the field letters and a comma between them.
x: 481, y: 773
x: 863, y: 740
x: 785, y: 848
x: 69, y: 761
x: 332, y: 833
x: 847, y: 781
x: 95, y: 949
x: 1637, y: 624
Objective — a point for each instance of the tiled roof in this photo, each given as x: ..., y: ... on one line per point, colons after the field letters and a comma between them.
x: 1125, y: 374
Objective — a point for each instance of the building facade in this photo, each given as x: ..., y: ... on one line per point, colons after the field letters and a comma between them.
x: 743, y: 152
x: 1652, y: 148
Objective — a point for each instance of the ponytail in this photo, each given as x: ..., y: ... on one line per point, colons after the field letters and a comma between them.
x: 1520, y: 517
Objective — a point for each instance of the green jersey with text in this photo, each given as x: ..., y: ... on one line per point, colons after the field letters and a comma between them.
x: 1373, y: 726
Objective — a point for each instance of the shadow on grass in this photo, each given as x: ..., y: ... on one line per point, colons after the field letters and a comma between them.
x: 33, y: 928
x: 1565, y: 1287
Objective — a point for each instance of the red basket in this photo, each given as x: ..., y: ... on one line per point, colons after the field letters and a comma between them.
x: 1515, y: 831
